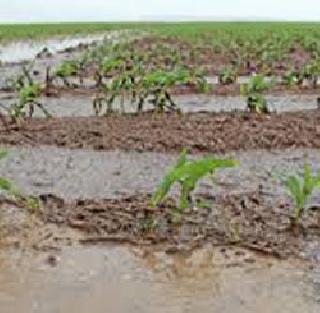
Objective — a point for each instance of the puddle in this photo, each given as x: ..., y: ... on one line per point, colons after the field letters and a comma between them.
x: 14, y: 54
x: 27, y: 50
x: 73, y: 174
x: 119, y: 279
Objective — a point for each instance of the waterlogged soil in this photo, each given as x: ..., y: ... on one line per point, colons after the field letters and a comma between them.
x: 251, y: 198
x: 251, y: 220
x: 233, y: 251
x: 127, y: 265
x: 198, y: 132
x: 95, y: 243
x: 122, y: 279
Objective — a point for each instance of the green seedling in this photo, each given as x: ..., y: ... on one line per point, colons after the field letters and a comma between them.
x: 300, y: 189
x: 254, y: 93
x: 67, y: 69
x: 9, y: 188
x: 28, y: 98
x: 154, y: 87
x: 292, y: 78
x: 148, y: 224
x: 187, y: 173
x: 228, y: 76
x: 5, y: 184
x: 28, y: 93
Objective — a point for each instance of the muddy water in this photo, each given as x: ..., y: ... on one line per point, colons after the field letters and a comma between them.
x: 81, y: 105
x: 120, y: 279
x: 91, y: 174
x: 14, y: 55
x: 27, y: 50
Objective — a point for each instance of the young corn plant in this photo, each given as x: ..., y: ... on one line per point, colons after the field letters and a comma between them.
x: 153, y: 87
x: 28, y: 93
x: 66, y: 70
x: 292, y: 78
x: 9, y: 188
x: 228, y: 76
x: 28, y: 100
x: 187, y: 173
x: 22, y: 79
x: 311, y: 72
x: 156, y: 87
x: 5, y: 184
x: 122, y: 85
x: 254, y: 93
x: 301, y: 188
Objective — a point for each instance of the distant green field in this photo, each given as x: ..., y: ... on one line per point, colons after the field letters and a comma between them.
x: 10, y: 32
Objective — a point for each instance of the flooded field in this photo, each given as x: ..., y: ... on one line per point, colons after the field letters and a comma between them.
x: 120, y: 278
x: 173, y: 174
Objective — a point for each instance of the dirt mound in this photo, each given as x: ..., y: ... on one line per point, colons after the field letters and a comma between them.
x: 248, y: 220
x: 171, y: 132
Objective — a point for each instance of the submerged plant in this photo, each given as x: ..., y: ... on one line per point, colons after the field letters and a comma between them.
x: 300, y: 188
x: 188, y: 173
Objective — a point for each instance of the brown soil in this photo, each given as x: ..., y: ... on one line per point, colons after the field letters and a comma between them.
x: 249, y: 220
x: 199, y: 132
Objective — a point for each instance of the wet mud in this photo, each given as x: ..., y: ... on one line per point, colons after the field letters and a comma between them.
x: 198, y: 132
x: 251, y: 198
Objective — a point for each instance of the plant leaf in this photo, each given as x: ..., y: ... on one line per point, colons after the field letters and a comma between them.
x: 296, y: 191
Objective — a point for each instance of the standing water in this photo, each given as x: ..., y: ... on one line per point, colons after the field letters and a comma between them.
x: 27, y: 50
x: 121, y: 279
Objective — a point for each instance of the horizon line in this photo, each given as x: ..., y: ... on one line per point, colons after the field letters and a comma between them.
x: 180, y: 20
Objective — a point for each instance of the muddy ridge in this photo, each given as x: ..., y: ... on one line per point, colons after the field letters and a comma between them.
x: 199, y: 132
x: 249, y: 220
